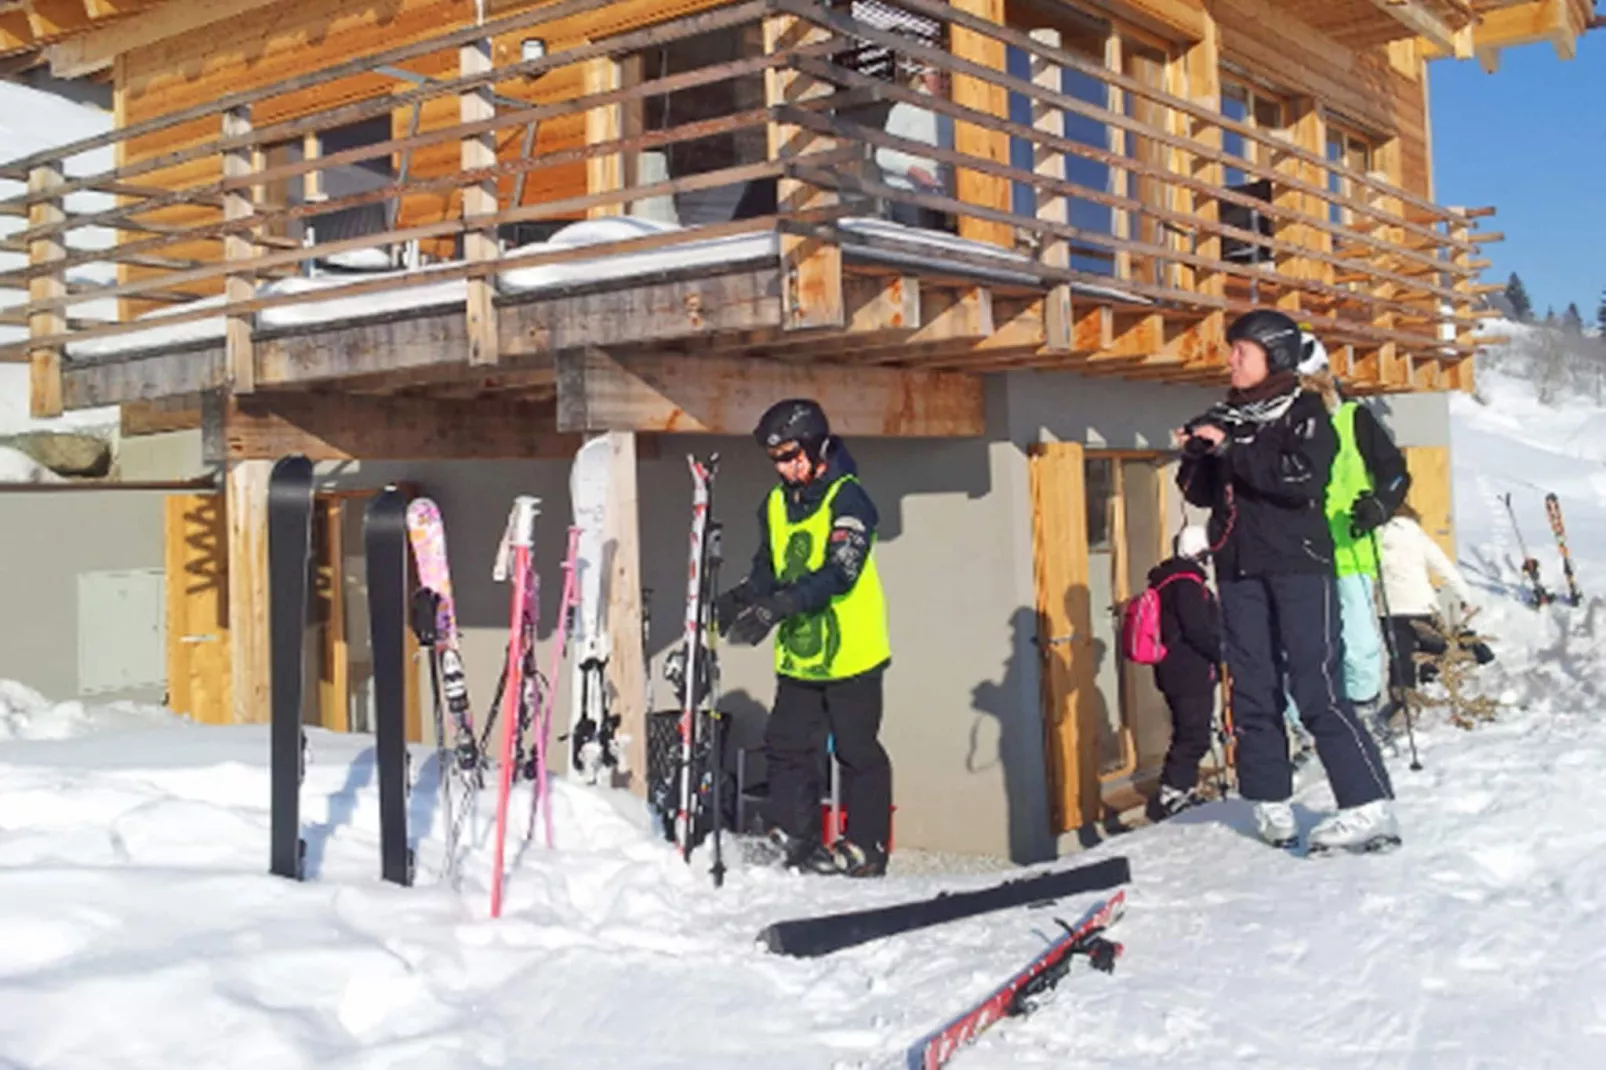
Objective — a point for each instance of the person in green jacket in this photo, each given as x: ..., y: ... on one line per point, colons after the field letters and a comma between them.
x: 1369, y: 482
x: 814, y: 582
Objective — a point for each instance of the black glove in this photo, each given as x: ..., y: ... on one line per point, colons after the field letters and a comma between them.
x: 729, y: 605
x: 1367, y: 514
x: 755, y: 620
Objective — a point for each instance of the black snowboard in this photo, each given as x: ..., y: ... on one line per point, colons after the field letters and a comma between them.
x: 807, y: 937
x: 385, y: 543
x: 289, y: 575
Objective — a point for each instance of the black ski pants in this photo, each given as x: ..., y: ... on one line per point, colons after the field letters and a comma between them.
x: 1192, y: 711
x: 794, y: 749
x: 1292, y: 620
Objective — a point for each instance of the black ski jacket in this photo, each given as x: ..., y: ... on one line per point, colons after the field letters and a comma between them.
x: 853, y: 526
x: 1265, y: 487
x: 1190, y: 628
x: 1391, y: 478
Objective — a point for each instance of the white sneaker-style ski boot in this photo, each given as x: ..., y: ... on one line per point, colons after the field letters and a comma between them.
x: 1366, y: 829
x: 1275, y: 823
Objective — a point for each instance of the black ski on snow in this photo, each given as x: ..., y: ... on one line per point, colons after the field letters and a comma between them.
x: 1559, y: 528
x: 289, y: 574
x: 385, y: 543
x: 808, y: 937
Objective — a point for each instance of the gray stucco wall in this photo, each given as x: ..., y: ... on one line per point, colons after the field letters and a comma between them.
x: 99, y: 549
x: 963, y: 722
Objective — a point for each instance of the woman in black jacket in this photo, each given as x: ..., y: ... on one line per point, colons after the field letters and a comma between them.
x: 1260, y: 461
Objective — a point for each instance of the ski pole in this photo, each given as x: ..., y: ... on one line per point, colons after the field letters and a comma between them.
x: 1394, y: 654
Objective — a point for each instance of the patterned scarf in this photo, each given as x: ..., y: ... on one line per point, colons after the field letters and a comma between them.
x: 1259, y: 404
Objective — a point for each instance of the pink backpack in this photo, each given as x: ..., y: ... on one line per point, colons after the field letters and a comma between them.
x: 1140, y: 623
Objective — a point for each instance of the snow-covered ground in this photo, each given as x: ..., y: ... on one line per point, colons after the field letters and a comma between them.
x: 139, y: 927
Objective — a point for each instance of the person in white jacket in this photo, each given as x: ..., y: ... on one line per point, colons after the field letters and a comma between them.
x: 918, y: 174
x: 1410, y: 561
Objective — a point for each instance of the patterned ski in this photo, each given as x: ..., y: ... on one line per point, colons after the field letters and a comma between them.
x: 1019, y: 995
x: 428, y: 536
x: 1559, y: 528
x: 594, y: 742
x: 702, y: 476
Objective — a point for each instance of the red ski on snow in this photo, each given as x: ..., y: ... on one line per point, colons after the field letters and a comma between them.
x: 1013, y: 996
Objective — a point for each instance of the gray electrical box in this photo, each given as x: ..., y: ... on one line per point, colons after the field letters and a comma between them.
x: 122, y: 630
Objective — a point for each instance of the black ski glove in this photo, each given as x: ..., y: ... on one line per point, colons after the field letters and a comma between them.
x: 728, y: 606
x: 755, y: 620
x: 1367, y: 514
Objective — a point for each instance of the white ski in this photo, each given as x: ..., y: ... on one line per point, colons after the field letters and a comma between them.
x: 592, y: 740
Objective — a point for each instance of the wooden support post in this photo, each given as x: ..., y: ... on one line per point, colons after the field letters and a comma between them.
x: 973, y: 187
x: 621, y: 542
x: 250, y: 664
x: 811, y: 268
x: 479, y: 199
x: 44, y: 363
x: 1460, y: 373
x: 1391, y: 369
x: 329, y: 595
x: 1120, y: 179
x: 1202, y: 67
x: 604, y: 174
x: 237, y: 204
x: 1304, y: 129
x: 1052, y: 207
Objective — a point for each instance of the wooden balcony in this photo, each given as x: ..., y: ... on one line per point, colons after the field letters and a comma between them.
x: 530, y: 231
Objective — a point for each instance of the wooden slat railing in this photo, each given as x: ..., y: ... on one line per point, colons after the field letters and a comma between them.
x: 1395, y: 278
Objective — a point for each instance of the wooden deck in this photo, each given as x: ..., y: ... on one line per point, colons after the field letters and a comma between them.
x: 209, y: 237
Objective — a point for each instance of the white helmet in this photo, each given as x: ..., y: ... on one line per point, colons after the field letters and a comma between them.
x: 1192, y: 541
x: 1312, y: 354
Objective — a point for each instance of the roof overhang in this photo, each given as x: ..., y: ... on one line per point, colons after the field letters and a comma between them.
x: 1503, y: 24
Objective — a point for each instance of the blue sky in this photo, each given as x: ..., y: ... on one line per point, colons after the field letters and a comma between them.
x: 1530, y: 139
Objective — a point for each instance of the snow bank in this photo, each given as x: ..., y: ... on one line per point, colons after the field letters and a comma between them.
x: 25, y: 714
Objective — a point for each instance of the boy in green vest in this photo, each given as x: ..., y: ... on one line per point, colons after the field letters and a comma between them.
x: 814, y: 579
x: 1369, y: 481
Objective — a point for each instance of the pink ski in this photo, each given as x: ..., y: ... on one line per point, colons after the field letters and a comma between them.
x: 514, y: 562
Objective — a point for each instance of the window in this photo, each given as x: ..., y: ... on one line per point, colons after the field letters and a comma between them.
x: 1355, y: 150
x: 1251, y: 106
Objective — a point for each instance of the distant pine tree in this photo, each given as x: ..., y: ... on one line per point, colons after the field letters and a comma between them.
x: 1572, y: 321
x: 1517, y: 297
x: 1600, y: 314
x: 1550, y: 315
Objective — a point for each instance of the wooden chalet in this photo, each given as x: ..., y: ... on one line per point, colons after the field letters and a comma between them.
x: 443, y: 231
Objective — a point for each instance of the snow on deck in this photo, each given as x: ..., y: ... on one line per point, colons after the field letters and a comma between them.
x: 533, y: 280
x: 140, y: 929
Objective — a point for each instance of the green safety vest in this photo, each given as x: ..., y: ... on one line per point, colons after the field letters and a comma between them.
x: 1349, y: 481
x: 847, y: 637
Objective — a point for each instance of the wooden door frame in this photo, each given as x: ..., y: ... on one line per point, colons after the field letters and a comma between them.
x: 333, y: 690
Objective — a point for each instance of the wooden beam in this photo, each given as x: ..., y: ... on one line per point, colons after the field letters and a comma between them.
x: 181, y: 413
x: 238, y: 163
x: 716, y: 395
x: 1056, y: 252
x: 811, y: 266
x: 44, y: 362
x: 1418, y: 18
x: 55, y: 18
x: 326, y: 426
x: 971, y: 139
x: 250, y: 667
x: 15, y: 33
x: 479, y: 199
x: 95, y: 50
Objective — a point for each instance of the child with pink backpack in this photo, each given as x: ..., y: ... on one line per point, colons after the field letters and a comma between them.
x: 1175, y: 625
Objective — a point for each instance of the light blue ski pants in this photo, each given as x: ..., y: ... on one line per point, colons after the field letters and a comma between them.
x: 1362, y: 642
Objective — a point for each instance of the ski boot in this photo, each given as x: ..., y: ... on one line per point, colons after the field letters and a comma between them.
x: 1365, y: 829
x: 1275, y: 823
x: 851, y: 860
x: 1172, y: 801
x: 799, y: 853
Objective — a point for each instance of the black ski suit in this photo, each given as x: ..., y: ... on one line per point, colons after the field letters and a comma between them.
x: 806, y: 712
x: 1191, y: 632
x: 1265, y: 485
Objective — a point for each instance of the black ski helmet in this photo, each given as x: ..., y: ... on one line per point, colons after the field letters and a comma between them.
x: 799, y: 420
x: 1275, y: 332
